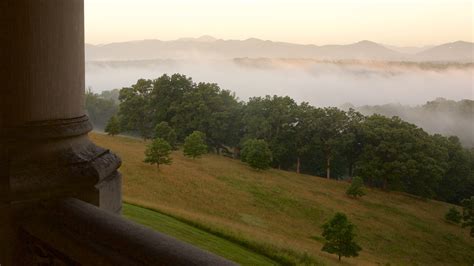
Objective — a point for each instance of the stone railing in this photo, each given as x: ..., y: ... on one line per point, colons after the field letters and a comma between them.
x: 72, y: 232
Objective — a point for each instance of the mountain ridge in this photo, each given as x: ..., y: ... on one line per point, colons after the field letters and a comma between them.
x: 210, y: 47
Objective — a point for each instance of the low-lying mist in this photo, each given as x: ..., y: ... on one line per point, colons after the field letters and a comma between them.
x: 319, y: 83
x: 397, y: 88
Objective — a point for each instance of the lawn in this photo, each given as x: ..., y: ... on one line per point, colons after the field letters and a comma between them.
x: 190, y: 234
x: 279, y: 213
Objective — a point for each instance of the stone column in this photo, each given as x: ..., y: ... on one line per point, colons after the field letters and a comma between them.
x: 45, y: 153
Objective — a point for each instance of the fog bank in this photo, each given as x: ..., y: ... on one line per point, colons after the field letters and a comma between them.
x: 319, y: 83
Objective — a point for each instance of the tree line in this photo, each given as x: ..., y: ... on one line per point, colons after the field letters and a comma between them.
x: 388, y: 153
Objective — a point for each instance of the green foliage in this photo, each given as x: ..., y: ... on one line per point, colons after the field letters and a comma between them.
x: 135, y: 106
x: 457, y: 182
x: 272, y: 119
x: 468, y: 214
x: 332, y: 124
x: 398, y: 155
x: 257, y: 154
x: 356, y: 188
x: 185, y: 106
x: 99, y: 109
x: 213, y: 111
x: 195, y: 145
x: 158, y: 152
x: 453, y: 215
x: 164, y: 131
x: 339, y: 235
x: 113, y: 126
x: 386, y: 152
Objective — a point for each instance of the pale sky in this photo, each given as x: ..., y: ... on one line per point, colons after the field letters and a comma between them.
x: 395, y: 22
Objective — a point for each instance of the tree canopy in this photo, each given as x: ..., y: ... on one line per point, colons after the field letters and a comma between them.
x: 158, y: 152
x: 164, y: 131
x: 257, y: 154
x: 386, y: 152
x: 195, y: 145
x: 339, y: 235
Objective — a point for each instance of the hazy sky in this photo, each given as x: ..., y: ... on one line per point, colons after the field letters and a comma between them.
x: 397, y: 22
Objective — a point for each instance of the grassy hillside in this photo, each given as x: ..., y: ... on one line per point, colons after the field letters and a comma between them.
x: 281, y: 213
x: 185, y: 232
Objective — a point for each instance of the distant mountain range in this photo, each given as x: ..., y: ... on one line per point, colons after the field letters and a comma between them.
x: 211, y: 48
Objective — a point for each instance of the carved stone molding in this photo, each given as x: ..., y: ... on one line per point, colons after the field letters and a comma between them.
x: 50, y: 129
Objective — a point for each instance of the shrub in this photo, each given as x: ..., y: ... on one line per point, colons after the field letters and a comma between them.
x: 453, y: 215
x: 356, y: 188
x: 257, y: 154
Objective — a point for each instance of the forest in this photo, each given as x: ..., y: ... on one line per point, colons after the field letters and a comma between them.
x: 386, y: 152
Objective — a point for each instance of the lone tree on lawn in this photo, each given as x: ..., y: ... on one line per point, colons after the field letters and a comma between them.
x: 339, y: 235
x: 195, y: 145
x: 158, y: 152
x: 257, y: 154
x: 468, y: 214
x: 113, y: 126
x: 164, y: 131
x: 357, y: 188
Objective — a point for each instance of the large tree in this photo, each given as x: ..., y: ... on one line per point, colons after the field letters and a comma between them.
x: 212, y: 111
x: 457, y: 182
x: 352, y: 139
x: 398, y: 155
x: 164, y: 131
x: 272, y: 119
x: 468, y: 214
x: 136, y: 111
x: 331, y: 124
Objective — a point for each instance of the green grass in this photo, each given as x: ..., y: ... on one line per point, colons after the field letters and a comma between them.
x: 279, y: 214
x: 190, y: 234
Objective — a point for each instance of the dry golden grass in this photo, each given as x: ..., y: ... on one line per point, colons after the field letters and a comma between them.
x: 287, y: 209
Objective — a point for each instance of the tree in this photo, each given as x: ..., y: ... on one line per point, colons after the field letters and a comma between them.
x: 399, y: 155
x: 339, y: 235
x: 273, y: 119
x: 457, y: 182
x: 158, y: 152
x: 257, y: 154
x: 213, y: 111
x: 164, y: 131
x: 99, y: 109
x: 453, y: 215
x: 353, y: 139
x: 356, y: 188
x: 135, y: 112
x: 113, y: 126
x: 332, y: 126
x: 303, y: 131
x: 468, y: 214
x: 195, y: 145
